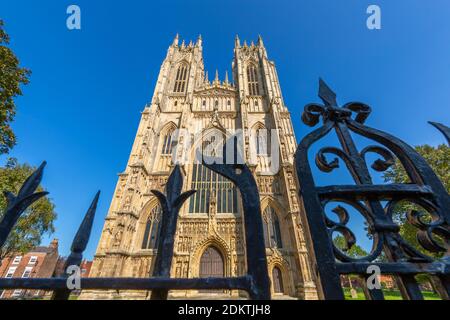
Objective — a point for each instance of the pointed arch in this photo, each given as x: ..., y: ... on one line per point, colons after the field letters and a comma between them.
x: 167, y: 138
x: 274, y: 203
x: 212, y: 263
x: 272, y: 225
x: 212, y: 139
x: 181, y: 77
x: 252, y: 79
x: 150, y: 225
x: 277, y: 280
x: 169, y: 126
x: 220, y: 245
x: 260, y: 139
x: 277, y: 261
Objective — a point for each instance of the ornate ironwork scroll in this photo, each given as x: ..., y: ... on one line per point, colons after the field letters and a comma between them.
x: 404, y: 261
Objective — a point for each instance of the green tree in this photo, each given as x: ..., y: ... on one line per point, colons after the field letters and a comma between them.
x: 439, y: 160
x: 354, y: 252
x: 12, y: 76
x: 35, y: 222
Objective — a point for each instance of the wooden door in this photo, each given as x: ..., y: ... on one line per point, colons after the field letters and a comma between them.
x: 212, y: 266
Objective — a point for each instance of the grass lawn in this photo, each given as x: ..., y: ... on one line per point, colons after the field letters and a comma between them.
x: 389, y: 295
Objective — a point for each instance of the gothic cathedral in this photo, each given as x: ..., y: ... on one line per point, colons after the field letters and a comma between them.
x: 209, y: 239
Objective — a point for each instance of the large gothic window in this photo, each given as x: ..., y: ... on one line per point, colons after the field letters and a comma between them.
x: 272, y: 232
x: 152, y: 228
x: 252, y: 78
x: 212, y: 187
x: 214, y: 192
x: 181, y: 79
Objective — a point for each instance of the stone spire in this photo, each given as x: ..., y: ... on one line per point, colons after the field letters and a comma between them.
x: 226, y: 78
x: 216, y: 79
x: 175, y: 41
x: 237, y: 42
x: 260, y: 41
x: 199, y: 41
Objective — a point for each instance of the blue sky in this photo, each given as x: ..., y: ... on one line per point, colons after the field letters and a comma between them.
x: 82, y: 108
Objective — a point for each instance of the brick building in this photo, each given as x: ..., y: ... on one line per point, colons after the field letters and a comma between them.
x: 85, y: 268
x: 38, y: 263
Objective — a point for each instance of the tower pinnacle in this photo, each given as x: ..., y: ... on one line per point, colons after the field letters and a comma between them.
x: 237, y: 42
x: 260, y: 41
x: 175, y: 41
x: 226, y: 78
x: 199, y: 41
x: 216, y: 79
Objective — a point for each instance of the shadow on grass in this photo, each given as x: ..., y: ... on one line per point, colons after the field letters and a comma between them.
x: 389, y: 295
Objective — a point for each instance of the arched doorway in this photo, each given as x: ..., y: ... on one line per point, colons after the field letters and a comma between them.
x: 212, y: 266
x: 277, y: 279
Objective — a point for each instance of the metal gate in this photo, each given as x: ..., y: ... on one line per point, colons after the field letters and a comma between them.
x: 391, y: 254
x: 374, y: 202
x: 256, y: 282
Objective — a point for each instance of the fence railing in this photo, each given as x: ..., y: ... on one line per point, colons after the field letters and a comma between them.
x: 255, y: 283
x: 391, y: 253
x: 376, y: 203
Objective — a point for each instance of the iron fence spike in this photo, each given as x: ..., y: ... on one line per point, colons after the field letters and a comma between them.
x: 18, y: 204
x: 32, y: 182
x: 326, y: 94
x: 442, y: 128
x: 84, y: 232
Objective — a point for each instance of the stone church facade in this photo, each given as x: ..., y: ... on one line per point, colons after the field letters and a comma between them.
x: 210, y: 237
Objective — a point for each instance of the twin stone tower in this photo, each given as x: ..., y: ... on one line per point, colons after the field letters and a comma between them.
x: 209, y: 240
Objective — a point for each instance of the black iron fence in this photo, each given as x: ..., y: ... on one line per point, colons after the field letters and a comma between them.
x: 255, y: 283
x: 374, y: 202
x: 391, y: 254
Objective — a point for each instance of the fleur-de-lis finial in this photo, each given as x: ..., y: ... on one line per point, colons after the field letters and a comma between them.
x: 326, y: 94
x: 18, y: 204
x: 79, y: 244
x: 171, y: 203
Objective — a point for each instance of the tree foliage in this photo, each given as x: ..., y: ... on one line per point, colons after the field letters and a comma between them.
x: 354, y: 252
x: 439, y: 160
x: 12, y: 76
x: 36, y: 221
